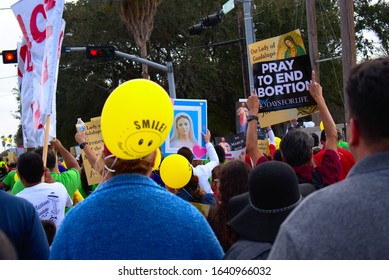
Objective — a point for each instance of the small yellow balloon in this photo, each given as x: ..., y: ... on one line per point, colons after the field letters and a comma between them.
x: 136, y: 119
x: 157, y: 160
x: 321, y: 126
x: 175, y: 171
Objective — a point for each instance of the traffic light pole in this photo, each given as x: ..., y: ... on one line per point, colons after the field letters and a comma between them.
x: 168, y: 68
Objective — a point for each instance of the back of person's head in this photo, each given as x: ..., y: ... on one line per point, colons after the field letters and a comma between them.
x: 121, y: 166
x: 193, y: 188
x: 296, y: 147
x: 368, y: 97
x: 216, y: 172
x: 233, y: 179
x: 51, y: 158
x: 273, y: 194
x: 187, y: 153
x: 221, y: 154
x: 116, y: 165
x: 30, y: 167
x: 193, y: 183
x: 50, y: 230
x: 315, y: 139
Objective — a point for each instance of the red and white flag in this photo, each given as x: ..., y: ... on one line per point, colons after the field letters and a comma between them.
x: 41, y: 24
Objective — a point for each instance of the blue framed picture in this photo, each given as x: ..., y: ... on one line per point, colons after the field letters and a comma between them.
x: 190, y: 120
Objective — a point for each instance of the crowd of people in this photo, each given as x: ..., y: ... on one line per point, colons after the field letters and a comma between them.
x: 297, y: 202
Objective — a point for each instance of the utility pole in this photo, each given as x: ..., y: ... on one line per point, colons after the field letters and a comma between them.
x: 348, y: 43
x: 312, y: 37
x: 243, y: 56
x: 313, y: 46
x: 250, y: 38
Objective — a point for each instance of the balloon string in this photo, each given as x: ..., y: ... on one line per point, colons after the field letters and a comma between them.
x: 105, y: 174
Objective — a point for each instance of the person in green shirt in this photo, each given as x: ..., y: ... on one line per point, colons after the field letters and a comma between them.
x: 9, y: 181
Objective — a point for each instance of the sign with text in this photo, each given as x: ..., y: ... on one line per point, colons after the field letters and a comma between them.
x: 282, y: 73
x: 96, y: 143
x: 283, y: 84
x: 234, y: 146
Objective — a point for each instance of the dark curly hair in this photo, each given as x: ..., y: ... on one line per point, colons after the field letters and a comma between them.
x: 233, y: 181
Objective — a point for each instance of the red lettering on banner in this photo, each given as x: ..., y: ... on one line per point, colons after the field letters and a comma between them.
x: 36, y: 115
x: 29, y: 67
x: 22, y: 54
x: 23, y: 51
x: 45, y: 72
x: 37, y: 35
x: 49, y: 4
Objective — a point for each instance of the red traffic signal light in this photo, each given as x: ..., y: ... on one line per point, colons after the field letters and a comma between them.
x: 10, y: 56
x: 94, y: 52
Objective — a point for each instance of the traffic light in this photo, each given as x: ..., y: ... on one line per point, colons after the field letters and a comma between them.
x: 196, y: 29
x: 208, y: 21
x: 95, y: 52
x: 213, y: 19
x: 10, y: 56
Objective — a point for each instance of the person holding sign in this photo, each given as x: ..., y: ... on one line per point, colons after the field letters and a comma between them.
x: 296, y: 145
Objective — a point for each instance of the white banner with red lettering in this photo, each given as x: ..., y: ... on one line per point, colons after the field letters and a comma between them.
x: 42, y: 27
x: 31, y: 135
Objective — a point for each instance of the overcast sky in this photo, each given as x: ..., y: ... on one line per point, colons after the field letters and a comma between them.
x: 10, y: 34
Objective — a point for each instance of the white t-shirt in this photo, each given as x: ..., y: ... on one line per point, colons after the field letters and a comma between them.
x: 49, y: 200
x: 204, y: 171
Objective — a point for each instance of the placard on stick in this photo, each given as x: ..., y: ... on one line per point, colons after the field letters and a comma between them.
x: 96, y: 143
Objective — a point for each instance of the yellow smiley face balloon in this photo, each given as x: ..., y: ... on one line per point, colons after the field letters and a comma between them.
x: 136, y: 119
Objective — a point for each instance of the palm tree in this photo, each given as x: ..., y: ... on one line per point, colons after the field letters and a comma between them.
x: 138, y: 15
